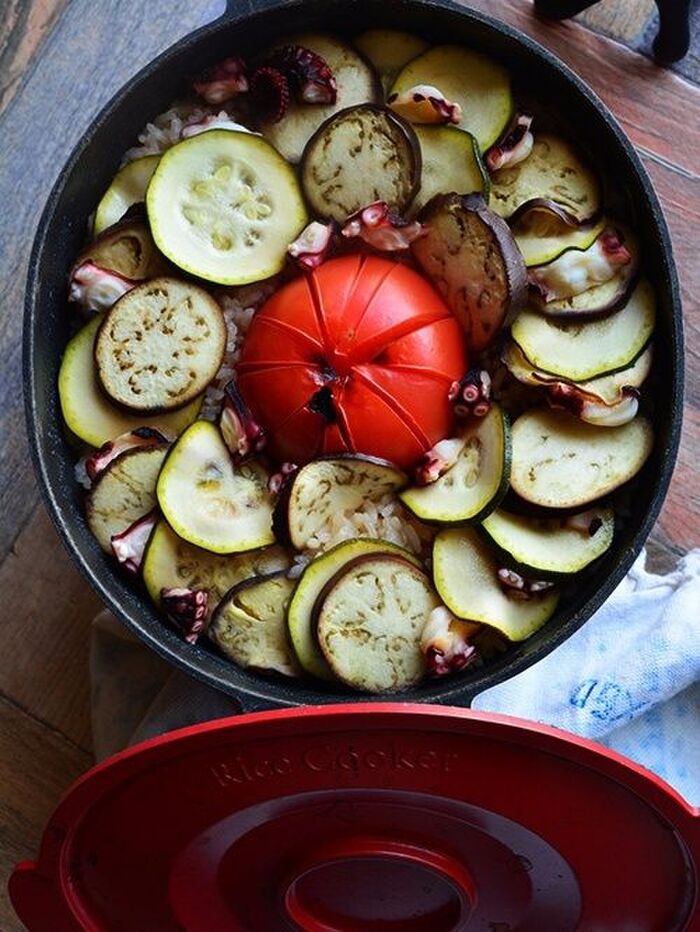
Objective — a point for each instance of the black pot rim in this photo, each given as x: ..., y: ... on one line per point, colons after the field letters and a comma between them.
x: 257, y: 692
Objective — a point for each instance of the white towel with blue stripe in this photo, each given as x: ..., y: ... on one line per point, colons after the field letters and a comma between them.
x: 629, y: 678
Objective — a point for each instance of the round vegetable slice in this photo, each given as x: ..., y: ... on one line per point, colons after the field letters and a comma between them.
x: 301, y: 619
x: 562, y: 462
x: 86, y: 410
x: 469, y: 254
x: 553, y: 175
x: 551, y: 547
x: 126, y: 248
x: 478, y: 84
x: 361, y: 155
x: 476, y: 483
x: 451, y: 162
x: 542, y: 236
x: 160, y: 345
x: 389, y: 50
x: 356, y: 81
x: 249, y: 625
x: 370, y: 621
x: 124, y: 492
x: 224, y: 206
x: 331, y: 486
x: 465, y: 572
x: 585, y: 350
x: 210, y: 503
x: 128, y: 187
x: 170, y: 562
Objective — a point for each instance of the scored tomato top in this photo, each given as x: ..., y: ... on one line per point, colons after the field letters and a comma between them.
x: 356, y: 356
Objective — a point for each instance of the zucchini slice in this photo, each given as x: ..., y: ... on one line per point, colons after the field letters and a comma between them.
x: 224, y: 206
x: 170, y: 562
x: 465, y: 574
x: 476, y: 483
x: 389, y: 50
x: 542, y: 236
x: 451, y: 162
x: 370, y: 621
x: 301, y: 620
x: 124, y: 492
x: 358, y: 156
x: 249, y: 625
x: 210, y: 503
x: 607, y: 389
x: 553, y: 175
x: 580, y: 351
x: 160, y: 345
x: 550, y: 547
x: 562, y: 462
x: 85, y: 409
x: 470, y: 256
x: 332, y: 486
x: 357, y: 83
x: 478, y: 84
x: 127, y: 188
x: 126, y: 248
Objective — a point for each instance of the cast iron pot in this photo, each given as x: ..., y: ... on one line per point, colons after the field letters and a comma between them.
x: 244, y: 27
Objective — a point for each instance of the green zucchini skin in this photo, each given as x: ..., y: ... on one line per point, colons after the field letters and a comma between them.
x: 418, y: 499
x: 496, y: 538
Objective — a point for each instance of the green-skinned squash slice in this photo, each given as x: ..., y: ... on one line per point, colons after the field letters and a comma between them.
x: 389, y: 50
x: 301, y: 620
x: 547, y: 548
x: 249, y: 625
x: 477, y: 482
x: 451, y: 162
x: 478, y: 84
x: 543, y: 236
x: 169, y: 562
x: 128, y: 187
x: 554, y: 175
x: 583, y: 350
x: 86, y: 410
x: 210, y: 502
x: 465, y: 572
x: 224, y: 206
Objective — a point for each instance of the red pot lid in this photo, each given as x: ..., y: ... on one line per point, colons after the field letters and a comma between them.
x: 399, y: 818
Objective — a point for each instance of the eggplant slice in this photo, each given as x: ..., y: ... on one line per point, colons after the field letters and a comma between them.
x: 477, y: 482
x: 249, y: 625
x: 171, y: 563
x: 357, y: 83
x: 478, y: 84
x: 333, y: 486
x: 208, y: 501
x: 361, y: 155
x: 579, y: 351
x: 550, y: 547
x: 554, y: 175
x: 562, y: 462
x: 470, y: 256
x: 126, y: 248
x: 370, y: 621
x: 160, y: 345
x: 465, y: 571
x: 85, y: 408
x: 451, y: 161
x: 124, y: 492
x: 301, y: 619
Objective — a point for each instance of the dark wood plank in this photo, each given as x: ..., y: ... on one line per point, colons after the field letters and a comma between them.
x: 36, y: 767
x: 88, y: 54
x: 47, y: 608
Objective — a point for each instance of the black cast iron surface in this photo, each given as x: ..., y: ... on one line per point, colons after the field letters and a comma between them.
x: 538, y: 76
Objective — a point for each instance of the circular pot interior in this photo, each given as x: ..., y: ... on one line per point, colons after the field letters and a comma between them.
x: 540, y: 82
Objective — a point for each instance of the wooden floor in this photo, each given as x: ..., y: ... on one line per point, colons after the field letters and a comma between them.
x: 60, y: 61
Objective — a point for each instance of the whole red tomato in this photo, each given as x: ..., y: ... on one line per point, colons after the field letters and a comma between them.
x: 357, y: 356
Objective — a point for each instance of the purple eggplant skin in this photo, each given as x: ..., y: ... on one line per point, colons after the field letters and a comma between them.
x: 544, y: 203
x: 627, y: 286
x: 146, y: 261
x: 513, y: 264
